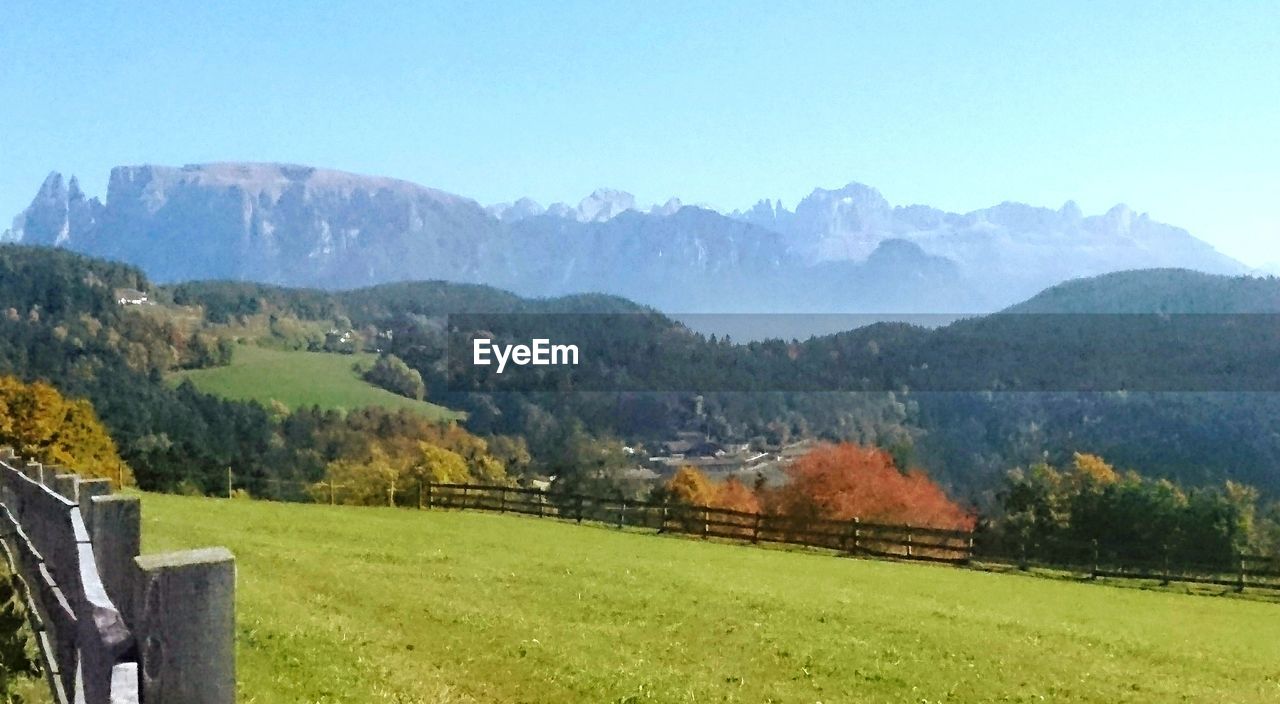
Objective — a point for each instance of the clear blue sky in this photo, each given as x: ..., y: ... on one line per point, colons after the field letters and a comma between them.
x: 1173, y: 108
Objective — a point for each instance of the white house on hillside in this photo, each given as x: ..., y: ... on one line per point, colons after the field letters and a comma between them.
x: 130, y: 297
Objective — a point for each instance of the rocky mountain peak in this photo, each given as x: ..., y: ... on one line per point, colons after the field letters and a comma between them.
x: 517, y: 211
x: 46, y: 220
x: 1119, y: 219
x: 604, y: 204
x: 671, y: 207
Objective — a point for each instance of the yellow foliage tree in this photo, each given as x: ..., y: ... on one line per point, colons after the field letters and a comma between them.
x: 489, y: 469
x: 39, y: 423
x: 1094, y: 468
x: 691, y: 486
x: 371, y: 482
x: 437, y: 464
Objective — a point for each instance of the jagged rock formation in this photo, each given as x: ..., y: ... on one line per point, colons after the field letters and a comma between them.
x: 1015, y: 246
x: 845, y: 250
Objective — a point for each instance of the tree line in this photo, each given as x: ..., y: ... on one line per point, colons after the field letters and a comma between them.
x: 61, y: 325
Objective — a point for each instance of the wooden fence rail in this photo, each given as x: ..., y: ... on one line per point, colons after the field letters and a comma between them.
x: 852, y: 537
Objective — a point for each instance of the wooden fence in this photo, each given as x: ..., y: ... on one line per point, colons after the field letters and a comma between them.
x: 1100, y: 562
x: 854, y: 537
x: 113, y: 627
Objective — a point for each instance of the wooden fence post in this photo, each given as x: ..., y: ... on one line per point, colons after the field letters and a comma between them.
x: 1096, y: 568
x: 429, y: 498
x: 465, y: 490
x: 622, y: 515
x: 1240, y: 575
x: 502, y: 500
x: 333, y: 500
x: 706, y: 518
x: 755, y: 529
x: 1165, y: 577
x: 185, y: 624
x: 857, y: 534
x: 542, y: 501
x: 579, y: 502
x: 662, y: 527
x: 909, y: 540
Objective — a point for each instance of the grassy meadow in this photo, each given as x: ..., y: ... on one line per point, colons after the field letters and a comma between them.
x: 298, y: 379
x: 348, y: 604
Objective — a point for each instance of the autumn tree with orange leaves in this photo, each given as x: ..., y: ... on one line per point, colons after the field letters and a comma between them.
x: 845, y: 481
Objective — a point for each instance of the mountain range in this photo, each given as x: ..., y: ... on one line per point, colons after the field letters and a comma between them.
x: 839, y: 251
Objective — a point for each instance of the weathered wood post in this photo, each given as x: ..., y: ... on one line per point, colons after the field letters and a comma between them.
x: 35, y: 470
x: 333, y: 499
x: 185, y: 605
x: 909, y: 539
x: 1096, y: 569
x: 662, y: 527
x: 429, y: 497
x: 1165, y: 577
x: 579, y: 502
x: 66, y: 485
x: 857, y: 534
x: 115, y: 525
x: 502, y: 500
x: 622, y: 514
x: 86, y: 491
x: 755, y: 529
x: 1240, y: 574
x: 706, y: 521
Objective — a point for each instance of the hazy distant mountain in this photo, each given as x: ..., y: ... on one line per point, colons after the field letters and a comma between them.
x: 602, y: 205
x: 846, y: 250
x: 1017, y: 247
x: 280, y: 224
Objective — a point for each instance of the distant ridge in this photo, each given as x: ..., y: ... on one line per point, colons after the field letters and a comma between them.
x: 1170, y: 291
x: 840, y: 251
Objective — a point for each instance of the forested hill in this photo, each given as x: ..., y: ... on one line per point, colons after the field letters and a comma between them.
x: 966, y: 436
x: 61, y: 323
x: 222, y: 300
x: 1158, y: 291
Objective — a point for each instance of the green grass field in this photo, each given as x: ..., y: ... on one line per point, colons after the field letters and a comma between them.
x: 299, y: 379
x: 344, y: 604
